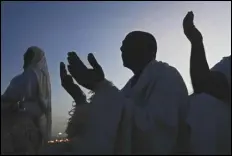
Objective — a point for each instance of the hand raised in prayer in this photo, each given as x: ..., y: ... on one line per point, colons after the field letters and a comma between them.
x: 88, y: 78
x: 191, y: 32
x: 69, y: 85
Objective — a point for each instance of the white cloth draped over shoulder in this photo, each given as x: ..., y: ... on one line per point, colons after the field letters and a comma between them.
x: 33, y: 89
x: 224, y: 66
x: 210, y: 119
x: 143, y: 119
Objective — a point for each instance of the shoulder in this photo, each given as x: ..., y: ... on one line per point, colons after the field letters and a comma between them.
x: 169, y: 72
x: 172, y: 77
x: 17, y: 79
x: 224, y: 67
x: 169, y: 76
x: 223, y: 64
x: 29, y: 75
x: 29, y: 72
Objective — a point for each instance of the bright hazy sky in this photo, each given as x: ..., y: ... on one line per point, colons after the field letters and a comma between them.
x: 100, y: 27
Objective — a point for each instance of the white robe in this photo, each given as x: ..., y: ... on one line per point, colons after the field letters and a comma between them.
x: 210, y: 119
x: 139, y: 120
x: 32, y: 88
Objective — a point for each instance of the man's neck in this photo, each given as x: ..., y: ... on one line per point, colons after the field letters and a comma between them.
x: 138, y: 71
x: 136, y: 76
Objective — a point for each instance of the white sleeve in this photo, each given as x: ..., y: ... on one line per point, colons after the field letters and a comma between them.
x: 158, y: 118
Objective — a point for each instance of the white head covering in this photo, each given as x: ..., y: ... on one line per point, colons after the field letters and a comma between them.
x: 39, y: 65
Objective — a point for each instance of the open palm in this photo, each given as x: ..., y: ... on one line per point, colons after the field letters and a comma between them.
x: 191, y: 32
x: 69, y: 85
x: 84, y: 76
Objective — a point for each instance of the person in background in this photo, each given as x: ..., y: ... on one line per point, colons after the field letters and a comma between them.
x: 210, y: 106
x: 215, y: 82
x: 27, y: 105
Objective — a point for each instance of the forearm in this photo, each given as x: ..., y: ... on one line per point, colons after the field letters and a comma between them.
x: 78, y: 98
x: 101, y: 127
x: 199, y: 69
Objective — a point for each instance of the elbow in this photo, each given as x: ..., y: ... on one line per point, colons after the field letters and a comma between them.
x: 197, y: 85
x: 199, y: 73
x: 199, y: 81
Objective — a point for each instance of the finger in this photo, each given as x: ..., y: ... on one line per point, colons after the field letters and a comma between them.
x: 74, y: 60
x: 191, y: 14
x: 72, y: 71
x: 189, y: 18
x: 62, y: 67
x: 72, y: 57
x: 63, y: 71
x: 93, y: 62
x: 73, y: 54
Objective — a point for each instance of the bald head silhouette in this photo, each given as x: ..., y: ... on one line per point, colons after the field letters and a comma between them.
x: 138, y: 49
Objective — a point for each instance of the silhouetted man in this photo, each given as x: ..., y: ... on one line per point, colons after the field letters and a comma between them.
x: 209, y: 114
x: 142, y: 118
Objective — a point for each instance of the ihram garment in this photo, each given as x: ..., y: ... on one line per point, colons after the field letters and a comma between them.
x: 143, y: 119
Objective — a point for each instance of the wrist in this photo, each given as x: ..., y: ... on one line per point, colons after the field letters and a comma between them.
x: 96, y: 84
x: 79, y: 100
x: 101, y: 85
x: 197, y: 42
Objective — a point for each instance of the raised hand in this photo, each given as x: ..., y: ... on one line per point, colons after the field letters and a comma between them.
x: 88, y: 78
x: 69, y: 85
x: 191, y: 32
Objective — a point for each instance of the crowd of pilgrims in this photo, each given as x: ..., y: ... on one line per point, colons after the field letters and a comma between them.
x: 152, y: 114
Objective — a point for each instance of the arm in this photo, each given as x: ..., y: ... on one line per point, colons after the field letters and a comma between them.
x: 68, y: 84
x: 12, y: 95
x: 77, y: 120
x: 199, y: 69
x: 203, y: 79
x: 102, y: 118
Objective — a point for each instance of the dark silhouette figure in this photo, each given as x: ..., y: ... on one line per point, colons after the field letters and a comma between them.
x: 149, y: 82
x: 203, y: 79
x: 141, y: 45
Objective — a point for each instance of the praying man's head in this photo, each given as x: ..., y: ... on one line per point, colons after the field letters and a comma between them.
x: 138, y: 49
